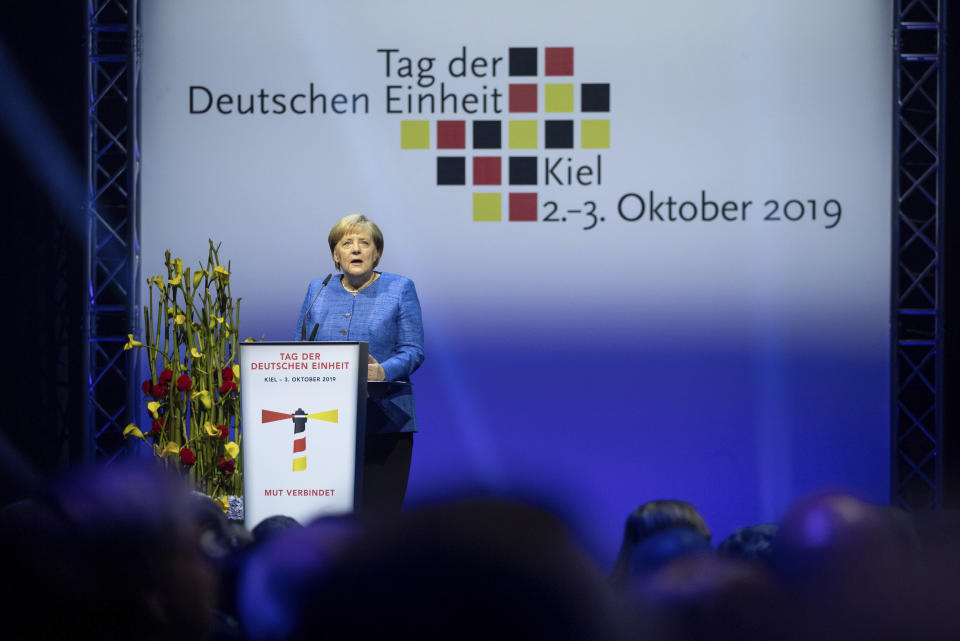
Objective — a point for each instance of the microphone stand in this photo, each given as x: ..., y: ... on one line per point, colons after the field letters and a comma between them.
x: 303, y: 328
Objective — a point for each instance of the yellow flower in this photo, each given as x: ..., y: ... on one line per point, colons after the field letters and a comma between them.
x: 223, y: 503
x: 179, y: 319
x: 195, y: 353
x: 220, y: 272
x: 152, y: 407
x: 131, y: 343
x: 232, y: 449
x: 156, y: 280
x: 236, y: 372
x: 133, y: 429
x: 170, y: 449
x: 204, y: 397
x: 197, y: 278
x: 211, y: 429
x: 178, y: 272
x: 249, y: 340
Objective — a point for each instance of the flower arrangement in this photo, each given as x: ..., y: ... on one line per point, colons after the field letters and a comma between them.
x: 192, y: 396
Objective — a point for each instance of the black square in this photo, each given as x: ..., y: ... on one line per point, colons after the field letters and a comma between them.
x: 486, y: 134
x: 558, y: 134
x: 523, y: 170
x: 523, y: 61
x: 595, y: 96
x: 451, y: 170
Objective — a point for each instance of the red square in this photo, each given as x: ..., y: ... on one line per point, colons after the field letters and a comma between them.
x: 558, y: 61
x: 486, y: 170
x: 451, y: 134
x: 523, y: 207
x: 300, y: 445
x: 523, y: 98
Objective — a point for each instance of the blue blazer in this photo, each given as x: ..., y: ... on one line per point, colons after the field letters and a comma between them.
x: 385, y: 314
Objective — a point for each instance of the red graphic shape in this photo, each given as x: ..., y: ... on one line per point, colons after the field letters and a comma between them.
x: 523, y: 98
x: 558, y: 61
x: 300, y: 445
x: 523, y: 207
x: 269, y: 417
x: 451, y: 134
x: 486, y: 170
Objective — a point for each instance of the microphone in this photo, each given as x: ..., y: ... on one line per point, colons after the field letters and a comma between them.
x: 303, y: 328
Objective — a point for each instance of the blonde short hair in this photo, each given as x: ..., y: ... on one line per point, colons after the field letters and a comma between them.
x: 352, y: 224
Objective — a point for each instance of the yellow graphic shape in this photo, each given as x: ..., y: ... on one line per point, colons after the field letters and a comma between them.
x: 595, y: 134
x: 523, y: 134
x: 300, y: 464
x: 328, y: 416
x: 415, y: 134
x: 486, y: 208
x: 558, y: 98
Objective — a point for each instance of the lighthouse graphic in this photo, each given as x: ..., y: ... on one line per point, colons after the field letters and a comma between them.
x: 299, y: 419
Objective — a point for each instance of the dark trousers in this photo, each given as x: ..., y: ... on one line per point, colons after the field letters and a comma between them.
x: 386, y: 468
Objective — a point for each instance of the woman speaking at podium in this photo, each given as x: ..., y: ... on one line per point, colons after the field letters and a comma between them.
x: 362, y: 304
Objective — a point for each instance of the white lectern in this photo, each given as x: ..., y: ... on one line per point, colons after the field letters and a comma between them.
x: 302, y: 406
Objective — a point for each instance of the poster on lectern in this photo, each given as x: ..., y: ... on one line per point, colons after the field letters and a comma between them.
x: 302, y: 409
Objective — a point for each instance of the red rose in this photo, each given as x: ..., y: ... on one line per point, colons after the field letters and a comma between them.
x: 165, y: 377
x: 187, y: 457
x: 159, y: 391
x: 224, y: 430
x: 184, y: 383
x: 227, y: 387
x: 147, y: 386
x: 158, y: 425
x: 225, y: 466
x: 227, y: 374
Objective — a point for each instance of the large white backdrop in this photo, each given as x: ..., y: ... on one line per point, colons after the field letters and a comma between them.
x: 733, y: 363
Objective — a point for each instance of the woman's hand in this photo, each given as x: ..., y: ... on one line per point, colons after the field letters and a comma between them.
x: 375, y: 370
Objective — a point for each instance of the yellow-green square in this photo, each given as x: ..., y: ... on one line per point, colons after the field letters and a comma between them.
x: 558, y: 98
x: 595, y: 134
x: 414, y: 134
x: 486, y: 208
x: 523, y: 134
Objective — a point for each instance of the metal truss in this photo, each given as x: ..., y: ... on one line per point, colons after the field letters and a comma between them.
x: 917, y: 295
x: 112, y: 253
